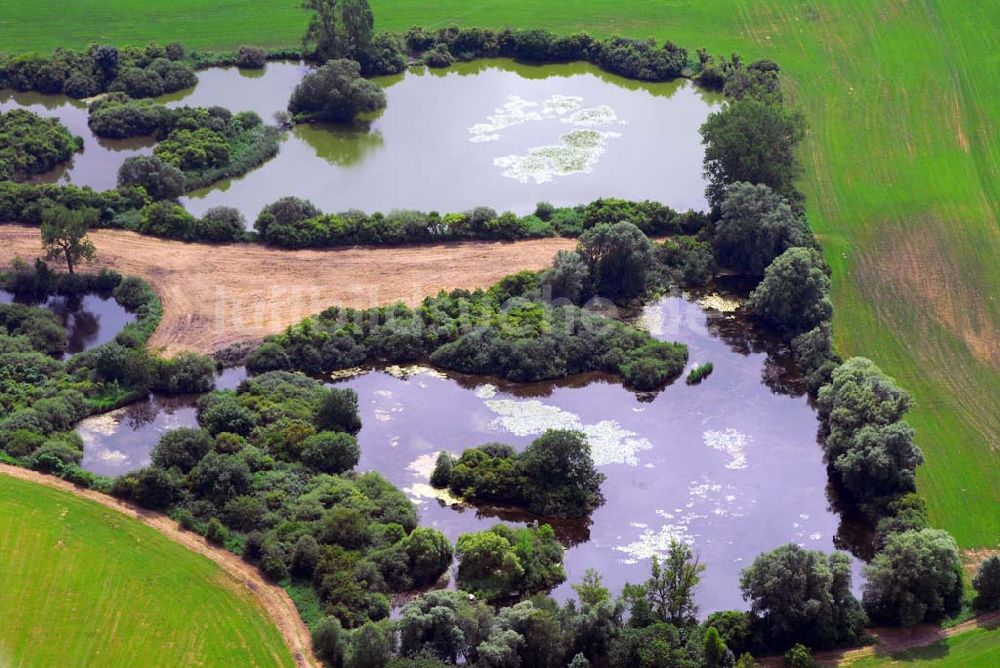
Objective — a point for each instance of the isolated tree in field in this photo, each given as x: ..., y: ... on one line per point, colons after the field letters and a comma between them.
x: 64, y: 235
x: 671, y: 587
x: 757, y: 225
x: 794, y: 294
x: 987, y: 584
x: 916, y: 577
x: 754, y: 142
x: 335, y: 92
x: 321, y: 33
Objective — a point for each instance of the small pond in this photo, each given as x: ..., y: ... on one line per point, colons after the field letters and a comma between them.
x: 90, y: 320
x: 731, y: 465
x: 492, y: 133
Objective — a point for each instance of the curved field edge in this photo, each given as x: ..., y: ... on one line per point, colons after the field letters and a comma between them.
x: 902, y: 170
x: 90, y: 577
x: 970, y: 648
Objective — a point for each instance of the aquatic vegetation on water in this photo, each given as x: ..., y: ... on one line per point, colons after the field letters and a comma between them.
x: 730, y: 441
x: 577, y: 152
x: 610, y: 443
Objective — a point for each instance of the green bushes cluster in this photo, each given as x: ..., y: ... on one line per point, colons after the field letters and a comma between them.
x: 553, y: 477
x: 139, y: 72
x: 336, y: 93
x: 507, y: 330
x: 31, y: 144
x: 699, y: 373
x: 635, y: 59
x: 269, y: 473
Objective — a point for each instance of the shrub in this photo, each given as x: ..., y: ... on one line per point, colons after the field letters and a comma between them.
x: 338, y: 411
x: 795, y: 293
x: 503, y: 561
x: 187, y: 373
x: 618, y: 257
x: 757, y: 225
x: 699, y: 373
x: 251, y: 57
x: 31, y: 144
x: 181, y: 448
x: 220, y: 223
x: 215, y: 532
x: 441, y: 476
x: 987, y: 584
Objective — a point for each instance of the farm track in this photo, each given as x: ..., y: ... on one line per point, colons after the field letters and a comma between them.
x: 215, y: 296
x: 272, y: 598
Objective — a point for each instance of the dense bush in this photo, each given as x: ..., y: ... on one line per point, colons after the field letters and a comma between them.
x: 220, y: 223
x: 554, y: 476
x: 25, y: 203
x: 39, y: 327
x: 619, y: 258
x: 795, y: 293
x: 159, y: 179
x: 251, y: 57
x: 31, y: 144
x: 917, y: 576
x: 335, y: 92
x: 687, y: 261
x: 987, y: 584
x: 504, y: 561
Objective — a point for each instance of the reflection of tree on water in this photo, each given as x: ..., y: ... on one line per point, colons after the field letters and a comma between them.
x: 81, y: 326
x: 341, y: 145
x: 569, y: 532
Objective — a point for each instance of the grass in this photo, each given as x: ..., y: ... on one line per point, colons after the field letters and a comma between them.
x: 86, y: 582
x: 973, y: 649
x: 902, y: 169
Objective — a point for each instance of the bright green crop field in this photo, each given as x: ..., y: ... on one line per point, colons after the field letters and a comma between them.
x: 902, y: 168
x: 972, y: 649
x: 85, y: 585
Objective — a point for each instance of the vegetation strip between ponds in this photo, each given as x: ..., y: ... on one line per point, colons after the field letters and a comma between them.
x: 271, y: 597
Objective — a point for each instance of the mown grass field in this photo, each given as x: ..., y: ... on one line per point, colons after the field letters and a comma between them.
x: 133, y: 596
x: 973, y: 649
x: 902, y: 168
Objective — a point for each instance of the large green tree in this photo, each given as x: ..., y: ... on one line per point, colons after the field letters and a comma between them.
x: 756, y: 226
x: 916, y: 577
x: 672, y: 583
x: 795, y: 292
x: 754, y: 142
x: 618, y: 258
x: 64, y: 235
x: 336, y: 93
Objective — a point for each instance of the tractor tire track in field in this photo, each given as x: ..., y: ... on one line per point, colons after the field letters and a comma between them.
x: 217, y: 295
x: 272, y: 598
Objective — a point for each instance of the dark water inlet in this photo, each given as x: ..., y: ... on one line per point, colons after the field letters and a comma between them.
x: 90, y: 320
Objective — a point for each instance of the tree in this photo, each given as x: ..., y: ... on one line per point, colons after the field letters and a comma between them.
x: 795, y: 292
x: 754, y: 142
x: 916, y: 577
x: 987, y: 584
x: 671, y: 587
x: 358, y: 25
x: 565, y: 482
x: 618, y: 258
x: 331, y: 452
x: 429, y: 554
x: 159, y: 179
x: 756, y: 226
x: 64, y: 234
x: 321, y: 33
x: 448, y: 624
x: 803, y: 595
x: 591, y: 590
x: 335, y: 92
x: 441, y: 475
x: 798, y: 657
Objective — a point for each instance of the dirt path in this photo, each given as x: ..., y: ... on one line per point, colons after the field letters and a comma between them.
x: 271, y: 597
x: 217, y: 295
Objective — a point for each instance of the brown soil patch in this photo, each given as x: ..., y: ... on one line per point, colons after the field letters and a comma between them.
x: 218, y: 295
x: 272, y: 598
x: 916, y: 268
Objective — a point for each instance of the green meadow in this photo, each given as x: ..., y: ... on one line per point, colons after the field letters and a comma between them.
x: 133, y: 596
x: 972, y: 649
x: 902, y: 168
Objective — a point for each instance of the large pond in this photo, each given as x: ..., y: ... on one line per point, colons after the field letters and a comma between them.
x: 90, y: 320
x: 730, y: 465
x: 492, y: 133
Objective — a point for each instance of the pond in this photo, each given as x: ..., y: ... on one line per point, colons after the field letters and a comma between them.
x: 90, y: 320
x: 731, y: 465
x: 488, y: 133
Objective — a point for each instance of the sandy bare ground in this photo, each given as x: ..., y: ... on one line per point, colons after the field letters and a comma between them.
x: 218, y: 295
x: 271, y: 597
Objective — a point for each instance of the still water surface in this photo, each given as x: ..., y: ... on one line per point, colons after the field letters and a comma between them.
x: 90, y: 320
